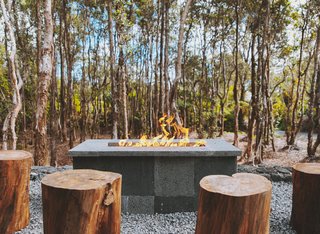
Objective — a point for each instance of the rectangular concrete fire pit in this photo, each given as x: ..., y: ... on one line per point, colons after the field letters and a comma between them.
x: 158, y: 179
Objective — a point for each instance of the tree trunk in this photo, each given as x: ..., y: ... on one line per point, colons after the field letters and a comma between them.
x: 17, y: 82
x: 63, y: 126
x: 114, y: 93
x: 237, y: 204
x: 69, y: 60
x: 82, y: 201
x: 83, y: 120
x: 53, y: 114
x: 15, y: 167
x: 166, y: 59
x: 299, y: 94
x: 314, y: 86
x: 252, y: 114
x: 161, y: 73
x: 174, y: 89
x: 236, y: 86
x: 305, y: 213
x: 156, y: 77
x: 41, y: 156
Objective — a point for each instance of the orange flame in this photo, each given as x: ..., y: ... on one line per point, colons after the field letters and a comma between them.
x: 170, y: 130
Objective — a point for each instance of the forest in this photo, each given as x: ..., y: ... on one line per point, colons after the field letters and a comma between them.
x: 75, y: 70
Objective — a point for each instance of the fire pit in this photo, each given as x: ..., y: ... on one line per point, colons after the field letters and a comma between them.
x: 158, y: 179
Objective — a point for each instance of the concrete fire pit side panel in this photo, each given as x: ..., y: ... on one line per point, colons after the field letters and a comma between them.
x: 174, y: 176
x: 172, y: 204
x: 137, y: 172
x: 159, y: 179
x: 137, y: 204
x: 204, y: 166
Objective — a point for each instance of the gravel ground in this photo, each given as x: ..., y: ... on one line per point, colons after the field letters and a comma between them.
x: 167, y: 223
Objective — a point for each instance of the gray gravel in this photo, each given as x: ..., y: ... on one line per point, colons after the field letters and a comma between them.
x: 164, y: 223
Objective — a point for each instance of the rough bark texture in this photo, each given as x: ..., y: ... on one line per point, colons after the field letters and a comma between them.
x: 41, y: 156
x: 82, y: 201
x: 17, y: 82
x: 173, y: 91
x: 15, y: 169
x: 305, y: 214
x: 237, y: 204
x: 314, y: 106
x: 115, y: 109
x: 236, y: 86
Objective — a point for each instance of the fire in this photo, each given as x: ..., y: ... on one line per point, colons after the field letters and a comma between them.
x: 170, y: 130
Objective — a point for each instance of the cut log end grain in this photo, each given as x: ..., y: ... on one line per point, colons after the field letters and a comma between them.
x: 236, y: 204
x: 308, y: 168
x: 82, y: 201
x: 15, y: 167
x: 82, y: 179
x: 238, y: 185
x: 11, y: 155
x: 305, y: 215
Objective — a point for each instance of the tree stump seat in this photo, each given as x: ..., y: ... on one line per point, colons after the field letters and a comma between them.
x: 305, y: 215
x: 15, y: 167
x: 81, y: 201
x: 234, y: 204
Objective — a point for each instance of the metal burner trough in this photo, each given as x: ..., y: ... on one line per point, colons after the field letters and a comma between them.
x: 158, y: 179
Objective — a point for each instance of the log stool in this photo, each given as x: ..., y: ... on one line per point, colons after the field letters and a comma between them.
x: 81, y: 201
x: 237, y: 204
x: 15, y: 166
x: 305, y: 215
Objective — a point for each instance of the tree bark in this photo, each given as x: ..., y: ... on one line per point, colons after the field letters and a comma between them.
x: 305, y: 213
x: 53, y: 114
x: 15, y: 167
x: 114, y: 93
x: 69, y: 60
x: 82, y: 201
x: 314, y: 93
x: 294, y: 126
x: 166, y: 59
x: 83, y: 120
x: 237, y: 204
x: 174, y: 88
x: 17, y: 82
x: 161, y: 71
x: 236, y: 86
x: 41, y: 155
x: 253, y: 112
x: 63, y: 125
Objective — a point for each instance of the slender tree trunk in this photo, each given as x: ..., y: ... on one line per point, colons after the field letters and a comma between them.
x: 83, y: 99
x: 114, y: 93
x: 174, y: 89
x: 161, y: 75
x: 236, y: 86
x: 294, y: 125
x: 63, y: 127
x: 53, y: 114
x: 166, y: 59
x: 156, y: 77
x: 253, y: 112
x: 313, y: 115
x: 124, y: 101
x: 69, y: 61
x: 45, y: 71
x: 17, y: 82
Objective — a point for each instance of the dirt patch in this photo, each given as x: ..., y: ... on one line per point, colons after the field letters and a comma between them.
x: 284, y: 158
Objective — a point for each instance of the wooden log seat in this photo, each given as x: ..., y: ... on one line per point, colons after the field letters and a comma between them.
x: 15, y: 166
x: 234, y: 204
x: 305, y: 215
x: 81, y: 201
